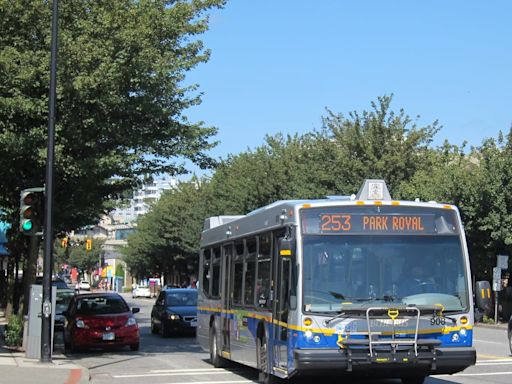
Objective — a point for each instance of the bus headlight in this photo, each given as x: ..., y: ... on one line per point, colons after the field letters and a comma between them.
x: 308, y: 334
x: 463, y: 332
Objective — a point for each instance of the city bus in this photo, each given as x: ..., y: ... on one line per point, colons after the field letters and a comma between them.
x: 356, y: 285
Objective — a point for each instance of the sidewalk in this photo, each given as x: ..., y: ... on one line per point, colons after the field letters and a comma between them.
x: 15, y: 368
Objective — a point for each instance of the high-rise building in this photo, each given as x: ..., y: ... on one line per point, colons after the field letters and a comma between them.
x: 142, y: 199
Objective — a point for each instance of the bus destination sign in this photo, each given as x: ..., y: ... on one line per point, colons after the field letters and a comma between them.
x: 350, y: 221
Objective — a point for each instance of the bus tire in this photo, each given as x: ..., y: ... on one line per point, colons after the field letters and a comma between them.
x: 215, y: 358
x: 413, y: 379
x: 264, y: 377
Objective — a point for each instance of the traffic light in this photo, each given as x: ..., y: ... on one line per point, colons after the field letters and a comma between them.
x: 88, y: 244
x: 29, y: 212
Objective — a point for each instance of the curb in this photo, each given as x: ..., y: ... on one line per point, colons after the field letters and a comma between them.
x: 503, y: 326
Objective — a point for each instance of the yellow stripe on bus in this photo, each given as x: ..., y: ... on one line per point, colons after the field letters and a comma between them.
x: 330, y: 332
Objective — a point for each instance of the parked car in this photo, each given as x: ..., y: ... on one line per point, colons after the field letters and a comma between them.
x: 510, y: 333
x: 56, y: 282
x: 175, y: 310
x: 63, y: 298
x: 84, y: 285
x: 100, y: 320
x: 141, y: 291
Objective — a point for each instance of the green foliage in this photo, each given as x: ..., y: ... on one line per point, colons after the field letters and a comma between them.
x: 120, y: 99
x: 119, y: 270
x: 168, y: 236
x: 77, y: 256
x: 13, y: 334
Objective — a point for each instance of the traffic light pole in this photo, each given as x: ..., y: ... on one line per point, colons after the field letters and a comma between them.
x: 46, y: 331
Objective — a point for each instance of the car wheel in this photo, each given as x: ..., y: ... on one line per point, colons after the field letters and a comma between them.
x: 134, y: 347
x: 510, y: 340
x: 164, y: 331
x: 153, y: 327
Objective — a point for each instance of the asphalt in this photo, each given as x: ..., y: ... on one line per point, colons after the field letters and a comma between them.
x: 15, y: 368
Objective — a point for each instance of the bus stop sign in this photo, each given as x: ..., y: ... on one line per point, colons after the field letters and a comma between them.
x: 502, y: 261
x: 496, y: 279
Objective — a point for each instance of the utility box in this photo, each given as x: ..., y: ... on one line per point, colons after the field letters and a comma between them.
x: 483, y: 297
x: 35, y: 309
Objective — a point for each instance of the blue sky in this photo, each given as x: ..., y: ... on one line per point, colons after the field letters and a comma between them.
x: 276, y: 66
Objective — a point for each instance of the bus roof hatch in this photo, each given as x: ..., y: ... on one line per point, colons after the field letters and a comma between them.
x: 373, y: 189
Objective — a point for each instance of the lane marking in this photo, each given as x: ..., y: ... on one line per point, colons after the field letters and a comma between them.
x: 185, y: 370
x: 503, y: 362
x: 488, y: 342
x: 214, y: 382
x: 476, y: 374
x: 492, y: 356
x: 170, y: 374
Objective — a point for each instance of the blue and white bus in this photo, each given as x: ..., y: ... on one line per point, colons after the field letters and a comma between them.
x: 359, y: 285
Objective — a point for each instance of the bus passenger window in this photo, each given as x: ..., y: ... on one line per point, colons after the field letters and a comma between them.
x: 263, y: 280
x: 216, y: 272
x: 206, y: 272
x: 250, y: 272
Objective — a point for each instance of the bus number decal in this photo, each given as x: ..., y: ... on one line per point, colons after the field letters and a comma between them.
x: 336, y: 223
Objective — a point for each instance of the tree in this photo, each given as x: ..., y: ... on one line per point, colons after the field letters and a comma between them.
x: 121, y: 97
x: 167, y: 238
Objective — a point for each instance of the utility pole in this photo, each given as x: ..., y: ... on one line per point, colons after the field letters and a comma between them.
x: 46, y: 331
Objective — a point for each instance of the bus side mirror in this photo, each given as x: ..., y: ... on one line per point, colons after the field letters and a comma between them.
x: 286, y: 247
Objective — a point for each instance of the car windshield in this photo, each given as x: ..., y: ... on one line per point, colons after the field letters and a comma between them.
x: 363, y: 269
x: 179, y: 299
x: 62, y: 300
x: 91, y: 305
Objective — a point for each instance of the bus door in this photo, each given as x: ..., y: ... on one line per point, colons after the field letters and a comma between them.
x: 226, y: 298
x: 280, y: 307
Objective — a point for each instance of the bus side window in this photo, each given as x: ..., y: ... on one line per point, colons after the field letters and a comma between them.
x: 263, y: 280
x: 250, y: 271
x: 238, y: 271
x: 216, y: 271
x: 206, y: 272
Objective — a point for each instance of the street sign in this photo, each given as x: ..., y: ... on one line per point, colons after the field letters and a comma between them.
x: 496, y: 279
x: 502, y: 261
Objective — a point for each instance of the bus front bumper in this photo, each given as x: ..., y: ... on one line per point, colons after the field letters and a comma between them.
x: 444, y: 361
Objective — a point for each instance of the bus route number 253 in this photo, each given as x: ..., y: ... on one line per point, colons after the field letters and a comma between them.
x: 335, y: 223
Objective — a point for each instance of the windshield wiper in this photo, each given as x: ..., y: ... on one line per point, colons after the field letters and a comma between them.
x: 338, y: 316
x: 337, y: 295
x: 372, y: 298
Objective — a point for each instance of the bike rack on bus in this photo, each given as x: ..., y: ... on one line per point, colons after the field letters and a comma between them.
x: 392, y: 316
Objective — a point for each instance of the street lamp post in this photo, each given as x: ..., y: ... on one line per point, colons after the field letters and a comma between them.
x: 46, y: 331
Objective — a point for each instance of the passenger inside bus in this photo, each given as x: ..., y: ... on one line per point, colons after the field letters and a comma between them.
x: 418, y: 280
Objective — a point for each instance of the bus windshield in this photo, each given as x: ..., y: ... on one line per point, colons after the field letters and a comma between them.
x: 363, y: 270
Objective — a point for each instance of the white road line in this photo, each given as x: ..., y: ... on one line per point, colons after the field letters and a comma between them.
x: 509, y: 362
x: 489, y: 342
x: 189, y: 373
x: 505, y: 359
x: 214, y: 382
x: 476, y: 374
x: 184, y: 370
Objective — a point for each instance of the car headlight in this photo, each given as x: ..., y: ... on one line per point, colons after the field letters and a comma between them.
x: 131, y: 321
x: 173, y: 316
x: 80, y: 324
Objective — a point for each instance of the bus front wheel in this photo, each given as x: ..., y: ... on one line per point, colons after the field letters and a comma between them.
x: 215, y: 358
x: 264, y: 376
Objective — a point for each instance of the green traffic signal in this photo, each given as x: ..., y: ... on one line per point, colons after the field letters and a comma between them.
x: 30, y: 211
x: 27, y: 225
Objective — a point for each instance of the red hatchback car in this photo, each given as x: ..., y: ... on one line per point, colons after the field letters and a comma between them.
x: 100, y: 320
